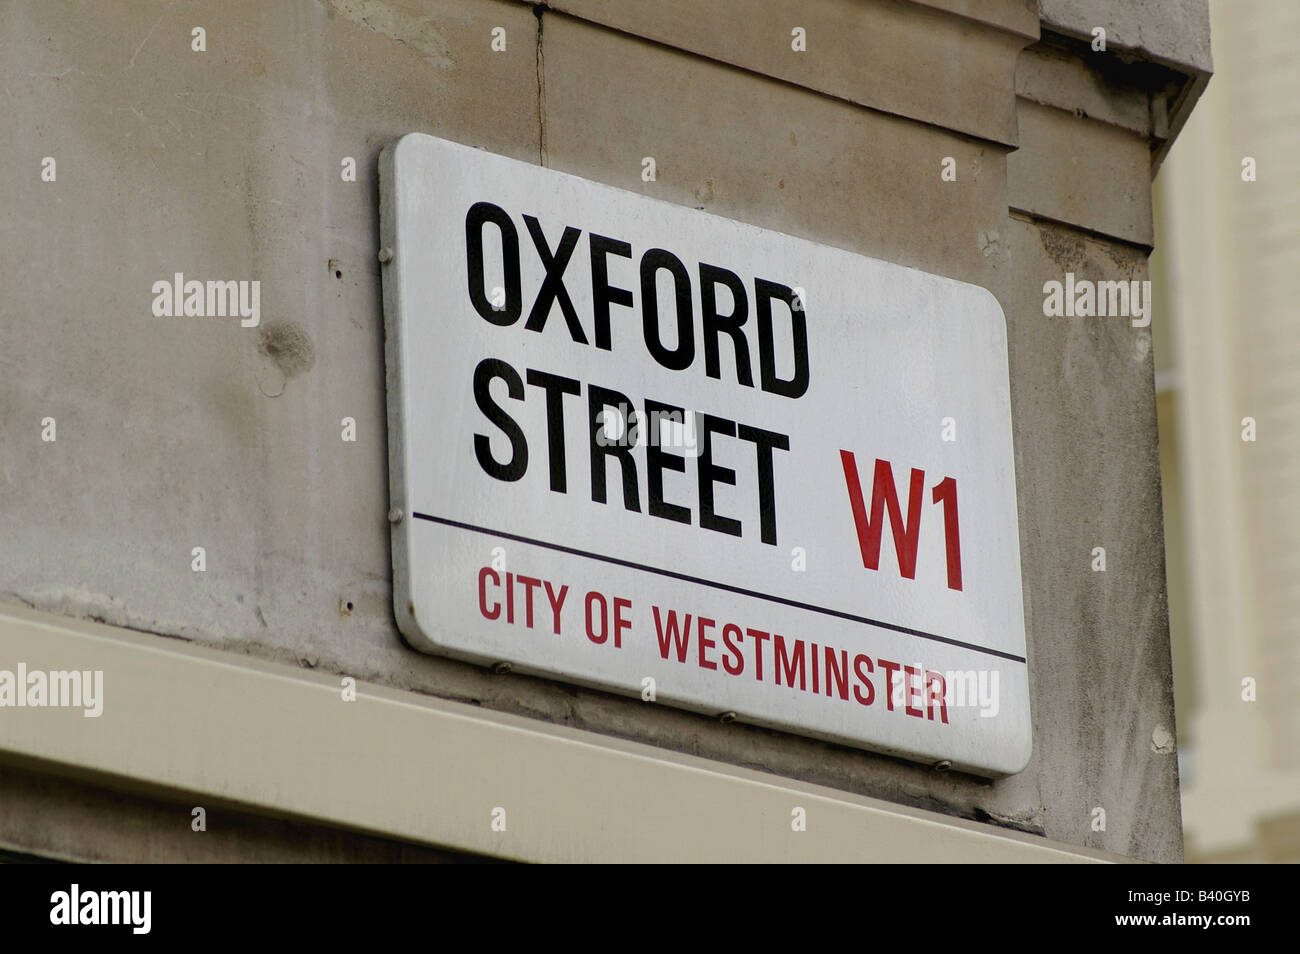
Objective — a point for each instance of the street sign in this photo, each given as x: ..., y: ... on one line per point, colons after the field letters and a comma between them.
x: 645, y: 448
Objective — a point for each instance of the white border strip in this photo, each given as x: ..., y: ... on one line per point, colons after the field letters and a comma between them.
x: 282, y: 741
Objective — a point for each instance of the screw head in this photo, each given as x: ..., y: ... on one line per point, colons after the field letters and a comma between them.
x: 942, y: 766
x: 395, y: 515
x: 727, y: 718
x: 385, y: 255
x: 502, y: 668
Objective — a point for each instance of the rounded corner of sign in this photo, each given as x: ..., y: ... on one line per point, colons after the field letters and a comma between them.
x: 396, y: 149
x: 408, y: 617
x: 412, y: 633
x: 1023, y: 754
x: 408, y: 141
x: 995, y: 306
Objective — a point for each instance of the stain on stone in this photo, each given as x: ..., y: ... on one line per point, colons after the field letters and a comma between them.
x: 416, y: 32
x: 1067, y: 251
x: 288, y: 345
x: 1162, y: 741
x: 1027, y: 821
x: 988, y: 241
x: 1122, y: 257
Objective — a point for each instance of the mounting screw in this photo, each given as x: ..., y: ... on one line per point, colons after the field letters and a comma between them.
x: 501, y: 668
x: 727, y: 718
x: 385, y: 255
x: 395, y: 515
x: 942, y: 766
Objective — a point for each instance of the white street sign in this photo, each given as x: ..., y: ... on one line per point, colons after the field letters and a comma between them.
x: 645, y: 448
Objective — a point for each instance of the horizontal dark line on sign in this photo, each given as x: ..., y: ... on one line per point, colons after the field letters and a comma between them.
x: 718, y: 586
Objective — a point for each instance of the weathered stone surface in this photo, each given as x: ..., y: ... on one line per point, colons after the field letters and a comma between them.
x: 178, y: 433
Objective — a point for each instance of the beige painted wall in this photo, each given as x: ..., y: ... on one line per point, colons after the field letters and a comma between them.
x: 1230, y: 347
